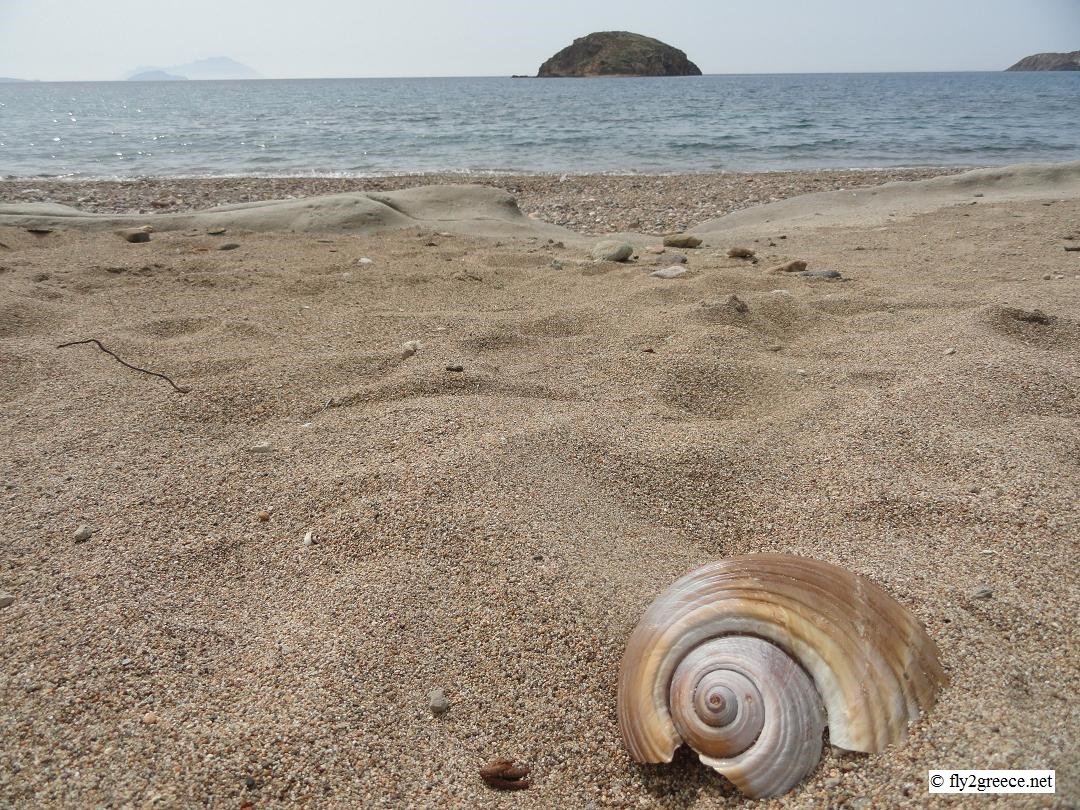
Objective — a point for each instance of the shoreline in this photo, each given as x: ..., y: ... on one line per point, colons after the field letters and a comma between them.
x: 588, y: 203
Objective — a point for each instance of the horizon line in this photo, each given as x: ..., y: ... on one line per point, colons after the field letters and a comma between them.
x: 17, y: 80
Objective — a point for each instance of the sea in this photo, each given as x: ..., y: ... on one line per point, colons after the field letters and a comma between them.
x: 365, y: 127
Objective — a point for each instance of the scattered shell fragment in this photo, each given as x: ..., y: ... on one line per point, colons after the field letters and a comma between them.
x: 947, y: 352
x: 503, y: 774
x: 749, y: 658
x: 674, y: 271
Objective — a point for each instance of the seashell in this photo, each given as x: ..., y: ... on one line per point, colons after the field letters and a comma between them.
x: 747, y: 659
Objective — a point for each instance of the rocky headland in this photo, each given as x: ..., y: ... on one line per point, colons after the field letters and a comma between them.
x: 1049, y: 61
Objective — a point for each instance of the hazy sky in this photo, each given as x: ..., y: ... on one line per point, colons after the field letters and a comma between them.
x: 105, y: 39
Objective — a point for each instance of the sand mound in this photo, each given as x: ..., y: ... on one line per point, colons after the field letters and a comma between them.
x: 870, y: 206
x: 461, y: 209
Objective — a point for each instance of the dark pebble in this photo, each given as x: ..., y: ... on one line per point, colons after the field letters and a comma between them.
x: 455, y: 368
x: 229, y: 246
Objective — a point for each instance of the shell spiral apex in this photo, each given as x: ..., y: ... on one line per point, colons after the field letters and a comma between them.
x: 747, y: 659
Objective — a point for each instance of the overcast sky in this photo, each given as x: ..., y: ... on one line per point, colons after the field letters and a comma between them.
x: 105, y: 39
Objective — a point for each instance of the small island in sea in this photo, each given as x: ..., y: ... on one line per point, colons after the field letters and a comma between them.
x: 618, y: 53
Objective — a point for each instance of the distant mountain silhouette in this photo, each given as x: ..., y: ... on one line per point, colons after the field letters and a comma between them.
x: 217, y: 67
x: 156, y: 76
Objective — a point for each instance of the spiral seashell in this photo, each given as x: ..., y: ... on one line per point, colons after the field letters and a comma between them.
x: 748, y: 658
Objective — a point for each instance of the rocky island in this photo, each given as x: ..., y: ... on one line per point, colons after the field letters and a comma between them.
x: 1049, y: 61
x: 618, y: 53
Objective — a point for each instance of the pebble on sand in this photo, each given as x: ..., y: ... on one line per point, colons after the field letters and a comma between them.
x: 6, y: 600
x: 610, y: 250
x: 982, y: 592
x: 437, y: 702
x: 263, y: 516
x: 674, y: 271
x: 947, y: 352
x: 794, y: 266
x: 737, y: 304
x: 83, y: 533
x: 365, y: 260
x: 309, y: 538
x: 149, y: 718
x: 682, y: 240
x: 229, y: 246
x: 657, y: 249
x: 261, y: 447
x: 829, y: 275
x: 409, y: 348
x: 740, y: 253
x: 456, y: 369
x: 670, y: 259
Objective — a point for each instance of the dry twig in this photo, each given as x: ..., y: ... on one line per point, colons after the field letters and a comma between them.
x: 123, y: 363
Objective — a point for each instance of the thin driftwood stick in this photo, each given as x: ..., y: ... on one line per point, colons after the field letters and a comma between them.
x: 123, y: 363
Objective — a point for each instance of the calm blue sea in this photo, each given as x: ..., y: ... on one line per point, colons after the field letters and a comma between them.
x: 656, y: 125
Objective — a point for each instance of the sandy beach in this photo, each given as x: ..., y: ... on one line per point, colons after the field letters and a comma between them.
x: 286, y: 560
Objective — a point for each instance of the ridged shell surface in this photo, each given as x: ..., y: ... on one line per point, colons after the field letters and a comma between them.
x: 870, y: 661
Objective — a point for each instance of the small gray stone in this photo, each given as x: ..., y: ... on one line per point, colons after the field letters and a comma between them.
x: 682, y: 240
x: 6, y: 600
x: 82, y: 534
x: 671, y: 258
x: 982, y: 592
x: 948, y: 352
x: 833, y: 781
x: 609, y: 250
x: 456, y: 369
x: 261, y: 447
x: 556, y: 264
x: 438, y: 703
x: 674, y: 271
x: 737, y: 304
x: 216, y: 232
x: 409, y: 348
x: 229, y: 246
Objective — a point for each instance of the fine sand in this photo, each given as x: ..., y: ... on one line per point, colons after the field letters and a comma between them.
x: 497, y: 532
